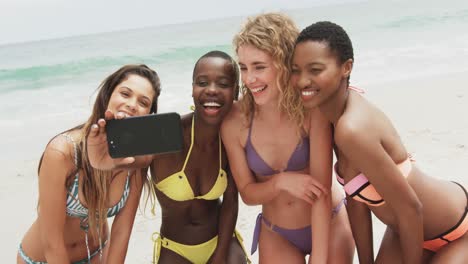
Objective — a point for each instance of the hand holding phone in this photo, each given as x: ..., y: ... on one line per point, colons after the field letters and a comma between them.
x: 97, y: 149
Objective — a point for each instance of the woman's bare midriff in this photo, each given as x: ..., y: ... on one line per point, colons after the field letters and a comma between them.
x: 74, y: 241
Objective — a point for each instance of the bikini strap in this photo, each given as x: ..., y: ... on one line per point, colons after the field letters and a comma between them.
x: 75, y: 150
x: 250, y: 130
x: 220, y: 153
x: 157, y: 246
x: 192, y: 135
x: 356, y: 89
x: 75, y: 158
x: 466, y: 194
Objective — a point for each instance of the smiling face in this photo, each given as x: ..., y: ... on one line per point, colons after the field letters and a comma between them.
x: 133, y: 96
x: 214, y: 83
x: 258, y: 73
x: 317, y: 72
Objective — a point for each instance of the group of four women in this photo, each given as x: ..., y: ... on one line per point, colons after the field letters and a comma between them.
x: 274, y: 146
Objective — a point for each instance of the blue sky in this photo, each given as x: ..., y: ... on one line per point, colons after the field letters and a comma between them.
x: 27, y: 20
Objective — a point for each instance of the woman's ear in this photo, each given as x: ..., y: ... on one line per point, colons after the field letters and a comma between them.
x: 347, y: 68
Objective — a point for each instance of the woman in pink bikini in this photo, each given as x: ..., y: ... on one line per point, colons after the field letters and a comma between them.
x: 373, y: 165
x: 281, y: 157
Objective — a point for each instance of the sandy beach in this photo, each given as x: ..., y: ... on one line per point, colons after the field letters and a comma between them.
x: 428, y: 112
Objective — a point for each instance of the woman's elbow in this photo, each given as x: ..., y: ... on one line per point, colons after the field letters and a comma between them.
x: 248, y: 200
x: 413, y: 208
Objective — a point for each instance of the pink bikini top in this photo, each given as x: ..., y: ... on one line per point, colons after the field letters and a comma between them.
x: 360, y: 189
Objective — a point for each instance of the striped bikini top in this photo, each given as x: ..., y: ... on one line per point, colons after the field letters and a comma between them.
x: 75, y: 208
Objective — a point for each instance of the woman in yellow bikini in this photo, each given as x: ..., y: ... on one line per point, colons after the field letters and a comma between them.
x: 425, y: 217
x: 197, y: 227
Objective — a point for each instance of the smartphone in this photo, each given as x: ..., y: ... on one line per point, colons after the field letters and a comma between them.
x: 143, y: 135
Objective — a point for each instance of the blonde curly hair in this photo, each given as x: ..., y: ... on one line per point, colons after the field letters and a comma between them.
x: 275, y: 34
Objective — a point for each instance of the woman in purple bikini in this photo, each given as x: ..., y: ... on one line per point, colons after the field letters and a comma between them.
x: 281, y: 156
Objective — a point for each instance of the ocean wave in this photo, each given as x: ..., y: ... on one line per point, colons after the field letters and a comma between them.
x: 459, y: 16
x: 40, y: 76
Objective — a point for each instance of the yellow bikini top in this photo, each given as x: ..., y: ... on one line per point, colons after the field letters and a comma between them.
x: 177, y: 186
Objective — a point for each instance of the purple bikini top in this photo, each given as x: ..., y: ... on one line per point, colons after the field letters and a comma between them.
x: 299, y: 158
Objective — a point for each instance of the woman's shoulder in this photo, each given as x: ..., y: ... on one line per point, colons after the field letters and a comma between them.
x: 58, y: 160
x: 236, y: 118
x: 235, y: 115
x: 62, y: 147
x: 357, y: 125
x: 235, y: 124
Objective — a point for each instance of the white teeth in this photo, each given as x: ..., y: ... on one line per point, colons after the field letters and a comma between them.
x: 309, y: 93
x: 256, y: 90
x: 212, y: 104
x: 126, y: 114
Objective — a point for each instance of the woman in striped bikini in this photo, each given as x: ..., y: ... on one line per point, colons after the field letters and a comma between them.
x: 75, y: 200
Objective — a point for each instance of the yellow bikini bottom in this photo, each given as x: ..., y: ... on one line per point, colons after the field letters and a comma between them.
x: 197, y: 254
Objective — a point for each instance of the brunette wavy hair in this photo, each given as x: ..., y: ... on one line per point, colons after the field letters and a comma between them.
x: 95, y: 183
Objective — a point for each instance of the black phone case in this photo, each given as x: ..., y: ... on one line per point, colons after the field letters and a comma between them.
x: 142, y: 135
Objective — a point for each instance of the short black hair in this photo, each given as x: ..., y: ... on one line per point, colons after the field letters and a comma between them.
x: 223, y: 55
x: 334, y: 35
